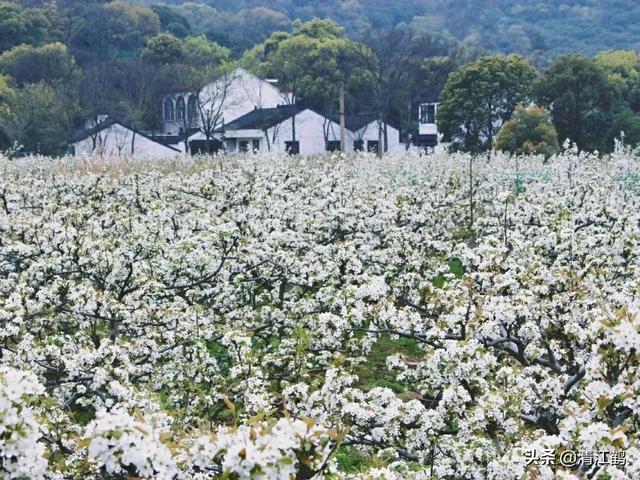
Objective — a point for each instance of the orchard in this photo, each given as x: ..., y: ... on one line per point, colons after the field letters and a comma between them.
x: 263, y: 317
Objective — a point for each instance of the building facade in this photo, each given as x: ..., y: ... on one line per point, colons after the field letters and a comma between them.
x: 240, y: 112
x: 110, y: 138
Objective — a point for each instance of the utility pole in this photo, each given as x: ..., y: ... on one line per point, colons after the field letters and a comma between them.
x: 343, y: 146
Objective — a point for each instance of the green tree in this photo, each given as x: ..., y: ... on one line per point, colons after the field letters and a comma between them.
x: 50, y: 63
x: 581, y: 98
x: 310, y: 63
x: 478, y: 98
x: 529, y: 131
x: 6, y: 95
x: 129, y: 26
x: 623, y: 69
x: 39, y: 118
x: 102, y: 31
x: 199, y: 51
x: 172, y: 22
x: 242, y: 30
x: 163, y: 49
x: 20, y: 25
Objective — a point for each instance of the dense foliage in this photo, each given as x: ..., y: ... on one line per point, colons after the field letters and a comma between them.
x: 260, y: 317
x: 120, y: 58
x: 592, y: 102
x: 529, y: 132
x: 478, y: 98
x: 542, y: 29
x: 85, y: 59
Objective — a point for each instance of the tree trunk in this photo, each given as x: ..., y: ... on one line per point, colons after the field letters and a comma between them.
x: 133, y: 143
x: 380, y: 136
x: 471, y: 192
x: 386, y: 138
x: 293, y: 128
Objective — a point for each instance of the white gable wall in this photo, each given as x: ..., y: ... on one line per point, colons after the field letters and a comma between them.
x: 370, y: 132
x: 245, y: 92
x: 116, y: 141
x: 310, y: 132
x: 232, y: 96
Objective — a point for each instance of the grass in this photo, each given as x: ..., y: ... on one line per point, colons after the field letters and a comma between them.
x: 352, y: 460
x: 374, y: 373
x: 455, y: 267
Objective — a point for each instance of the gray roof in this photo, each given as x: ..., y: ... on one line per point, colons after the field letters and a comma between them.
x: 263, y: 118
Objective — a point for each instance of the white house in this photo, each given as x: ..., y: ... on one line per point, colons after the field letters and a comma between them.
x: 110, y: 138
x: 225, y: 99
x: 240, y: 112
x: 239, y: 99
x: 427, y: 137
x: 272, y: 129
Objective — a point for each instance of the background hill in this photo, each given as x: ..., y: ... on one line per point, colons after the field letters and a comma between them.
x: 539, y: 29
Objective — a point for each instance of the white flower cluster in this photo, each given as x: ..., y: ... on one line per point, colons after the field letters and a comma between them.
x: 267, y: 451
x: 21, y: 449
x: 123, y: 444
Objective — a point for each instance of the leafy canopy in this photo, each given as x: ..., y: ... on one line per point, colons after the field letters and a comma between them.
x: 529, y: 131
x: 581, y: 98
x: 479, y: 97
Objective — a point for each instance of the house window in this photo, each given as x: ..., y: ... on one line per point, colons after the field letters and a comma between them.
x: 372, y: 146
x: 243, y: 146
x: 256, y: 146
x: 428, y: 113
x: 180, y: 109
x: 358, y: 145
x: 192, y: 108
x: 333, y: 146
x: 168, y: 110
x: 292, y: 148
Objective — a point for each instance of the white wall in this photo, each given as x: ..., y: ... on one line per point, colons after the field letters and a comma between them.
x: 310, y: 127
x: 116, y: 141
x: 428, y: 128
x: 370, y: 132
x: 232, y: 95
x: 310, y: 132
x: 244, y: 93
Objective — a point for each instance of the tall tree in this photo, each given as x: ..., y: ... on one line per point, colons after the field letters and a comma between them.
x: 309, y: 64
x: 100, y: 89
x: 171, y: 21
x: 580, y: 97
x: 478, y: 98
x: 402, y: 65
x: 201, y: 52
x: 39, y: 118
x: 163, y: 49
x: 623, y: 69
x: 112, y: 30
x: 390, y: 59
x: 6, y: 96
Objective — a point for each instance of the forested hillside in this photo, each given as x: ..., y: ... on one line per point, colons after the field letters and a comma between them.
x: 544, y: 28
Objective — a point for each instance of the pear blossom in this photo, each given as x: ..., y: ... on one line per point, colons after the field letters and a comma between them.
x: 266, y: 316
